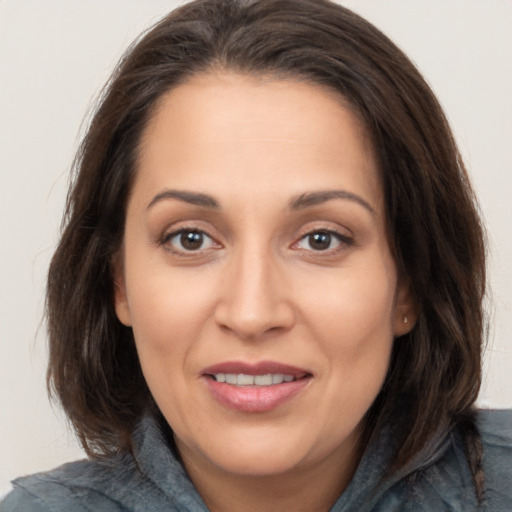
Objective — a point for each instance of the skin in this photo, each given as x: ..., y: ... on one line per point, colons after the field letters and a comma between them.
x: 257, y: 287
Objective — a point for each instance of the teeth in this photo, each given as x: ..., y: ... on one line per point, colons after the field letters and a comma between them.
x: 263, y: 380
x: 231, y: 379
x: 277, y: 378
x: 243, y: 379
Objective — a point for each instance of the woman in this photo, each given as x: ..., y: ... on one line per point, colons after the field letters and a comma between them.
x: 268, y: 292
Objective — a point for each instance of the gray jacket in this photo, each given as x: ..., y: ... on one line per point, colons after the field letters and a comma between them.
x: 152, y: 480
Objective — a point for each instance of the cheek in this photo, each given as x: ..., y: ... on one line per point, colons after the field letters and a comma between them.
x: 354, y: 305
x: 356, y: 333
x: 168, y: 317
x: 352, y: 323
x: 170, y: 311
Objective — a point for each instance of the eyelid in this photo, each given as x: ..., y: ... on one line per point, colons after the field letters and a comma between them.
x: 344, y: 240
x: 167, y: 237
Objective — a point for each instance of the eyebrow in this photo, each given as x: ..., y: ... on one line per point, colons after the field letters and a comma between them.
x: 195, y: 198
x: 315, y: 198
x: 303, y: 201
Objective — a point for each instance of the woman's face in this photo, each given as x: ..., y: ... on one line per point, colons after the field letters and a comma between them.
x: 256, y: 274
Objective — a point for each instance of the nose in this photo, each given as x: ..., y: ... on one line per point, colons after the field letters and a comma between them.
x: 254, y: 299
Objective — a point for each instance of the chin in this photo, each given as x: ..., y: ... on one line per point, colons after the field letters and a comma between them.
x: 256, y: 462
x: 266, y: 451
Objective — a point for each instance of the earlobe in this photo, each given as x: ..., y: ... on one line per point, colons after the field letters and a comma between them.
x: 406, y: 310
x: 120, y: 297
x: 403, y: 325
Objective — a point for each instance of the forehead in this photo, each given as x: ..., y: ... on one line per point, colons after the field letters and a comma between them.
x: 229, y: 130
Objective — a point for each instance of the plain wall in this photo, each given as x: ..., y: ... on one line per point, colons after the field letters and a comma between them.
x: 54, y: 57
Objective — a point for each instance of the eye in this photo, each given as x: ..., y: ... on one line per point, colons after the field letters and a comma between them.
x: 322, y: 241
x: 188, y: 240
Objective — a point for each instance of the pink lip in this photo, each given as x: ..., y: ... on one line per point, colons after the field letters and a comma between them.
x: 260, y: 368
x: 254, y: 398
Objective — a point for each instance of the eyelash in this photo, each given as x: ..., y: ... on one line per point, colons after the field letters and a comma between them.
x: 343, y: 241
x: 167, y: 238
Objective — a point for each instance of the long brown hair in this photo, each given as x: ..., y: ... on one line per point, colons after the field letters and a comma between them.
x: 436, y: 234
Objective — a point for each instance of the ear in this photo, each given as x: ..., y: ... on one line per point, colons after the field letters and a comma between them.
x: 406, y: 308
x: 120, y: 298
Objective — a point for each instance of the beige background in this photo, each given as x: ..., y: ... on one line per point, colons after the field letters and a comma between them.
x: 54, y: 57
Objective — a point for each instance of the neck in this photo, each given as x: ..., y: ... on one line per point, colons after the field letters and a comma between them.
x: 314, y: 487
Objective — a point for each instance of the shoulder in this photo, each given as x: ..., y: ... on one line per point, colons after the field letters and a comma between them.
x: 77, y: 486
x: 441, y: 480
x: 149, y: 479
x: 495, y: 427
x: 452, y: 470
x: 496, y: 431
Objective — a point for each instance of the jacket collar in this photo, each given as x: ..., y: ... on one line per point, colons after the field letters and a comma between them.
x: 156, y: 460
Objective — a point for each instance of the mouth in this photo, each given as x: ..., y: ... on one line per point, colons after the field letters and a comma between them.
x: 257, y: 387
x: 244, y: 379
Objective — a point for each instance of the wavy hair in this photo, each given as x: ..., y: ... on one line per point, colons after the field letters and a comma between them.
x: 436, y: 234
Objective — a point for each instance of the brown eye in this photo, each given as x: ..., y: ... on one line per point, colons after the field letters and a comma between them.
x: 191, y: 240
x: 319, y: 241
x: 187, y: 240
x: 323, y: 241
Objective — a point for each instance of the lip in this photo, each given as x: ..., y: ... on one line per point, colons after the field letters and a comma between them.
x: 259, y: 368
x: 251, y: 398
